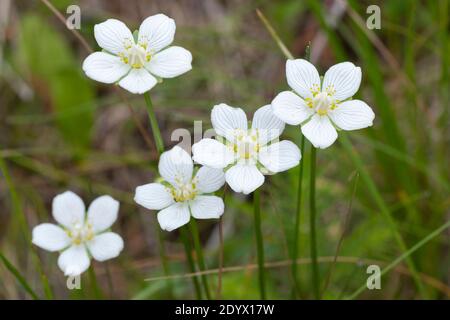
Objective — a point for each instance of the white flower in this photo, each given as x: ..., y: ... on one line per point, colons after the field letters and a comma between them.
x: 246, y: 153
x: 136, y: 64
x: 78, y: 236
x: 320, y: 107
x: 182, y: 193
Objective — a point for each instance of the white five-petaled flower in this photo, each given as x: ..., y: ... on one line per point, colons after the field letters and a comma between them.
x: 135, y: 64
x: 246, y: 153
x: 320, y: 108
x: 182, y: 193
x: 80, y: 236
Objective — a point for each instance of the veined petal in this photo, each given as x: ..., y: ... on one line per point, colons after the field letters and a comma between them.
x: 320, y: 131
x: 290, y: 108
x: 352, y: 115
x: 138, y: 81
x: 153, y: 196
x: 105, y: 246
x: 157, y: 32
x: 74, y: 261
x: 170, y: 62
x: 303, y: 77
x: 226, y: 119
x: 104, y: 67
x: 68, y: 209
x: 209, y: 179
x: 212, y: 153
x: 113, y: 36
x: 342, y: 79
x: 207, y: 207
x: 102, y: 213
x: 244, y: 178
x: 280, y: 156
x: 50, y: 237
x: 175, y: 216
x: 268, y: 124
x: 176, y: 166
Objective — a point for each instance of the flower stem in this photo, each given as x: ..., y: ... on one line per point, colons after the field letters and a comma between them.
x: 94, y: 284
x: 200, y: 258
x: 312, y: 223
x: 154, y: 124
x: 296, y: 288
x: 259, y: 242
x: 190, y: 260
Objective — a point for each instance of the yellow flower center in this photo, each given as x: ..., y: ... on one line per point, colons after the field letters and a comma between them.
x: 246, y: 145
x: 135, y: 55
x: 184, y: 192
x: 81, y: 233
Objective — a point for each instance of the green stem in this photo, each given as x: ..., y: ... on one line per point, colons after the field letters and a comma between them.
x: 199, y: 252
x: 160, y: 148
x: 154, y: 124
x: 190, y: 260
x: 296, y: 288
x: 259, y: 242
x: 94, y: 284
x: 312, y: 223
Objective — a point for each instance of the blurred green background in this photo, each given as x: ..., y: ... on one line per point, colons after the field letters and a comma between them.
x: 60, y: 130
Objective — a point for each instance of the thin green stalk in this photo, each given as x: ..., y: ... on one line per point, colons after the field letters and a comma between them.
x: 160, y: 148
x: 296, y: 288
x: 18, y: 277
x: 190, y: 260
x: 199, y: 251
x: 94, y: 283
x: 259, y: 242
x: 404, y: 256
x: 312, y: 224
x: 154, y: 124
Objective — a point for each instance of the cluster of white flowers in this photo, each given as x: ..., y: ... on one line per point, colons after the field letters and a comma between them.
x: 240, y: 155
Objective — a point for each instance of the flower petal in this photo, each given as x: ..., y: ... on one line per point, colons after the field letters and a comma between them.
x: 138, y: 81
x: 342, y: 78
x: 176, y: 166
x: 209, y: 179
x: 74, y: 261
x: 175, y: 216
x: 153, y: 196
x: 280, y: 156
x: 157, y: 32
x: 352, y: 115
x: 68, y: 209
x: 212, y: 153
x: 207, y: 207
x: 226, y: 119
x: 268, y: 124
x: 303, y: 77
x: 102, y: 213
x: 170, y: 62
x: 244, y: 178
x: 320, y: 131
x: 50, y: 237
x: 113, y: 36
x: 290, y: 108
x: 105, y: 246
x: 104, y: 67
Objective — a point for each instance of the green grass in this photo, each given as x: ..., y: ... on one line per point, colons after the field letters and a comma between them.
x: 74, y: 133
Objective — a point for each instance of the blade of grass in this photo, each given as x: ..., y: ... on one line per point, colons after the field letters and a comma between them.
x: 404, y: 256
x: 188, y: 250
x: 8, y: 265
